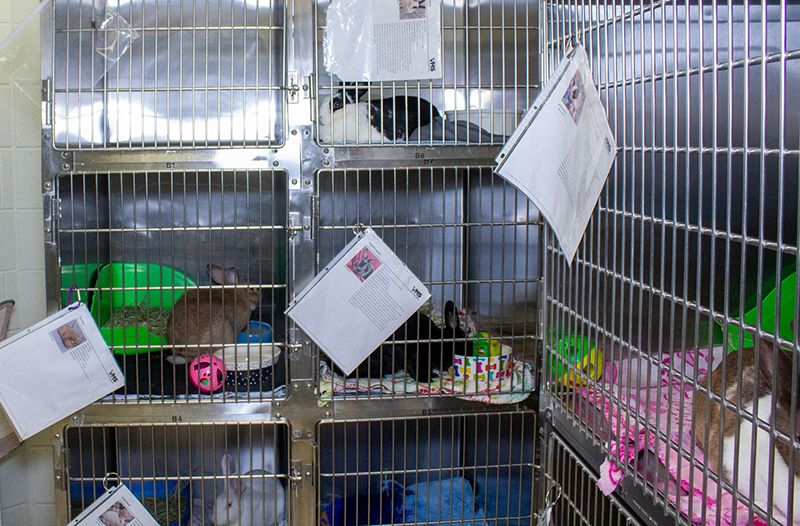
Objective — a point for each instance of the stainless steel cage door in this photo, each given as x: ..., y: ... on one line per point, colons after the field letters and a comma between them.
x: 686, y: 279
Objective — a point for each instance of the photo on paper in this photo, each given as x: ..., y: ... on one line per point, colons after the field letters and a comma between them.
x: 411, y: 9
x: 364, y: 264
x: 68, y: 336
x: 574, y: 97
x: 116, y: 515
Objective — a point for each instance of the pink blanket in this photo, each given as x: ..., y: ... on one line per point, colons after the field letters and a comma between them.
x: 638, y: 387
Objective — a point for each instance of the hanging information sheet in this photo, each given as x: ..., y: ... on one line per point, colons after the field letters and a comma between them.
x: 55, y: 368
x: 116, y: 507
x: 384, y: 39
x: 358, y: 300
x: 561, y: 153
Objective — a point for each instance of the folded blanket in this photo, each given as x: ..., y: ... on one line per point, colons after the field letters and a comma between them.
x: 514, y: 389
x: 450, y: 131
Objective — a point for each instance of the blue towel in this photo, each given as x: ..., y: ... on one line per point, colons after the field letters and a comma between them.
x: 507, y: 497
x: 443, y: 500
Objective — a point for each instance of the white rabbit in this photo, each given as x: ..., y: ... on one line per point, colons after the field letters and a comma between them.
x: 249, y: 500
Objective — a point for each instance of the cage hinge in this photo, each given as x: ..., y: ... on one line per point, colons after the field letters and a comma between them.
x: 47, y: 102
x: 294, y: 87
x: 546, y: 407
x: 314, y: 215
x: 50, y: 206
x: 59, y: 461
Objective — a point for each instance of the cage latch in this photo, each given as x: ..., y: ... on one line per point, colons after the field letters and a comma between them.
x: 294, y: 87
x: 297, y: 471
x: 301, y: 471
x: 298, y: 223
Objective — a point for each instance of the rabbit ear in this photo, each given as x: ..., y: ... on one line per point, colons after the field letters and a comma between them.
x: 228, y: 467
x: 234, y: 486
x: 217, y: 274
x: 450, y: 315
x: 776, y: 369
x: 229, y: 470
x: 231, y: 276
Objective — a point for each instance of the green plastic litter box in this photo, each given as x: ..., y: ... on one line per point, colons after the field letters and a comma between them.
x: 147, y: 286
x: 787, y: 309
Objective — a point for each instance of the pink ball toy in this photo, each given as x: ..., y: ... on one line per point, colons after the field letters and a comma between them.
x: 207, y: 373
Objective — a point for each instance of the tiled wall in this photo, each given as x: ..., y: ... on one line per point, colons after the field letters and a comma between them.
x: 26, y: 476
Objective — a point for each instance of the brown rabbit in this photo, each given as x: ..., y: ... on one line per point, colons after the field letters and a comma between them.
x: 214, y: 317
x: 722, y: 457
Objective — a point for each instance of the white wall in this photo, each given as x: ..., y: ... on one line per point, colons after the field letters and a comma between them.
x: 26, y: 476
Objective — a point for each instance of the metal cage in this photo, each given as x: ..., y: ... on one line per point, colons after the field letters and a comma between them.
x: 580, y: 501
x: 693, y: 244
x: 470, y: 237
x: 183, y: 134
x: 155, y: 74
x: 133, y: 243
x: 177, y: 471
x: 459, y: 468
x: 178, y: 134
x: 490, y: 77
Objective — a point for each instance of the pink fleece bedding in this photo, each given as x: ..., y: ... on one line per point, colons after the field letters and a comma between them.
x: 648, y: 390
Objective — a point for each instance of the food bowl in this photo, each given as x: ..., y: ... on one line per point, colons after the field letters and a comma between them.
x: 484, y: 373
x: 256, y: 332
x: 250, y: 367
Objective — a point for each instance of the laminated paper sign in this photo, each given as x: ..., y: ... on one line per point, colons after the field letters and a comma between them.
x: 53, y: 369
x: 358, y: 301
x: 561, y: 153
x: 384, y: 39
x: 117, y: 506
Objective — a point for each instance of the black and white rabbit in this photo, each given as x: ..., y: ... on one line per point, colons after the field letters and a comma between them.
x: 426, y: 348
x: 344, y: 117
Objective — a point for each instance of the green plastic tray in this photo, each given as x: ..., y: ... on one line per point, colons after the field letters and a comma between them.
x: 787, y: 308
x: 144, y: 284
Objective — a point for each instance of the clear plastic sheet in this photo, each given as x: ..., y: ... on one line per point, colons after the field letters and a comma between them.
x: 19, y: 62
x: 114, y: 38
x: 384, y: 40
